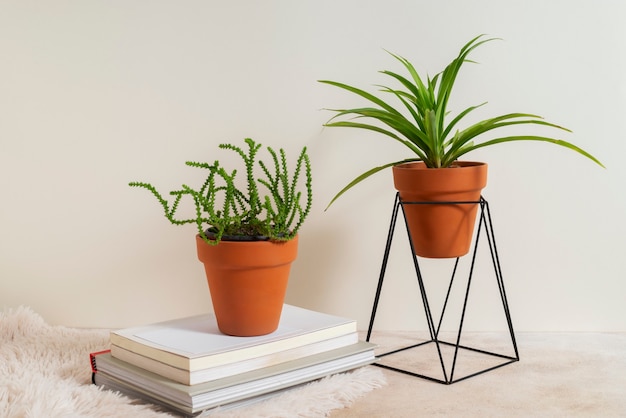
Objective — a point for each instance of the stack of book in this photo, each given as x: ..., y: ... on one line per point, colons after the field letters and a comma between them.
x: 189, y: 366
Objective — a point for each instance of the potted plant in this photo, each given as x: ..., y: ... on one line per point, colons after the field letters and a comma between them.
x: 433, y: 172
x: 247, y: 237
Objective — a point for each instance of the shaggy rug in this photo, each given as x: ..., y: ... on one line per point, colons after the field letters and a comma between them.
x: 45, y: 372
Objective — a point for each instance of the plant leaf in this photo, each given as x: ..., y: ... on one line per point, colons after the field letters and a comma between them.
x: 559, y: 142
x: 367, y: 174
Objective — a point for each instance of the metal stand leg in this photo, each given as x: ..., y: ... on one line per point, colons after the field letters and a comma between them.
x: 484, y: 226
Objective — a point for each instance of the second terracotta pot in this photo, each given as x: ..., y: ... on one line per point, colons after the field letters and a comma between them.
x: 247, y: 281
x: 438, y: 230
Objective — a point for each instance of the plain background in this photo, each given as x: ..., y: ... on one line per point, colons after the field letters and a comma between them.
x: 94, y: 94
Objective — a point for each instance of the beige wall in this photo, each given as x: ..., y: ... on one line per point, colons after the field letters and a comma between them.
x: 94, y: 94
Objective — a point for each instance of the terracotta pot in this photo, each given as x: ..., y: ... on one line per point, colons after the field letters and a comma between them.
x: 247, y: 281
x: 437, y: 230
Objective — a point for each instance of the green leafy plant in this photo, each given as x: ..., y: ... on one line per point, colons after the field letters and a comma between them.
x: 223, y: 209
x: 421, y: 120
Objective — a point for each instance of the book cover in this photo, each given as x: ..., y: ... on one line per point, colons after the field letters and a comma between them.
x: 111, y: 383
x: 217, y: 372
x: 195, y: 343
x: 193, y: 398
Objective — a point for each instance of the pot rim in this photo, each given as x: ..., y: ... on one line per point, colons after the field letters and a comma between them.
x: 420, y: 165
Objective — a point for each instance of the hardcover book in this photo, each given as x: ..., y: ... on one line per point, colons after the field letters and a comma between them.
x: 118, y: 375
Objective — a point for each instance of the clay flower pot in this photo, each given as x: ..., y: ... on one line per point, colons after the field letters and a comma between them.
x: 247, y: 281
x: 438, y: 230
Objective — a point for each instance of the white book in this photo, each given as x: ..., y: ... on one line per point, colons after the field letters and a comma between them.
x: 195, y: 343
x: 118, y: 375
x: 217, y: 372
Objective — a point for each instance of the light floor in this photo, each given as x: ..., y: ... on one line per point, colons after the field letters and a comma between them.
x: 558, y: 375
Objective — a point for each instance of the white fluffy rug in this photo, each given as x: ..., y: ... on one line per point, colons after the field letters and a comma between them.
x: 45, y: 372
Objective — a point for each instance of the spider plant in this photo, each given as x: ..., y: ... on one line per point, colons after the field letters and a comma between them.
x: 421, y: 120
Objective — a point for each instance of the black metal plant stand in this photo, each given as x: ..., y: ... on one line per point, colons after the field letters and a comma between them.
x: 484, y: 226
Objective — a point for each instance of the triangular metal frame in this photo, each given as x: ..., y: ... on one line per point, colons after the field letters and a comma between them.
x: 484, y: 226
